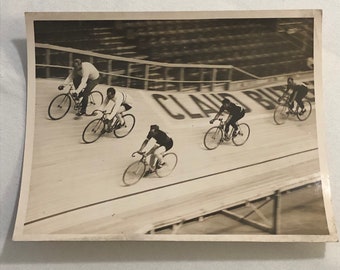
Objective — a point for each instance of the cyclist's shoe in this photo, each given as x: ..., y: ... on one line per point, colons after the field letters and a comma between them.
x: 235, y: 133
x: 75, y: 96
x: 160, y: 165
x: 80, y: 113
x: 148, y: 172
x: 226, y: 137
x: 119, y: 125
x: 302, y: 112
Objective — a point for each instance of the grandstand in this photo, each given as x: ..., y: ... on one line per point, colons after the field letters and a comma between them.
x: 257, y: 47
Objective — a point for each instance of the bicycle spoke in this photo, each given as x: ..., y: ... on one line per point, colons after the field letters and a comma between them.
x: 169, y: 164
x: 59, y: 106
x: 126, y: 128
x: 213, y: 138
x: 134, y: 173
x: 242, y: 135
x: 93, y: 131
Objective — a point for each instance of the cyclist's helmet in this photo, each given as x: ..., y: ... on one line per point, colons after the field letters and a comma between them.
x: 111, y: 92
x: 154, y: 127
x: 77, y: 63
x: 226, y: 101
x: 290, y: 81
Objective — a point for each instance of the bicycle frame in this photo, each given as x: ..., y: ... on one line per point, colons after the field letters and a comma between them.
x: 143, y: 157
x: 284, y: 100
x: 222, y: 127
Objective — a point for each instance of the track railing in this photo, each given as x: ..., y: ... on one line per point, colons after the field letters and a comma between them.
x: 52, y: 61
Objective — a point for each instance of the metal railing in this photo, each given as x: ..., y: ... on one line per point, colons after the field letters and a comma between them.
x: 137, y: 73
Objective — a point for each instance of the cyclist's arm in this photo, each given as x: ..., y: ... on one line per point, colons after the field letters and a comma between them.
x: 228, y: 119
x: 218, y: 114
x: 152, y: 149
x: 118, y: 102
x: 103, y: 107
x: 143, y: 145
x: 84, y: 79
x: 69, y: 79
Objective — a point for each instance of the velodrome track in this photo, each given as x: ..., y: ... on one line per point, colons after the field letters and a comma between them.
x: 76, y: 188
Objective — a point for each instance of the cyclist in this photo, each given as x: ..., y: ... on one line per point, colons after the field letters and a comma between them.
x: 299, y: 91
x: 121, y: 103
x: 163, y: 144
x: 236, y: 112
x: 85, y: 77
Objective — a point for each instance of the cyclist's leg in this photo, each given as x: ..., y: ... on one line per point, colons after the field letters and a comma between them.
x: 76, y: 81
x: 163, y: 150
x: 158, y: 154
x: 86, y: 92
x: 291, y: 100
x: 299, y: 98
x: 123, y: 108
x: 235, y: 119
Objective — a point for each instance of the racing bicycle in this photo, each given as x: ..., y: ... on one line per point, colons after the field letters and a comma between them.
x: 61, y: 104
x: 216, y: 135
x: 97, y: 127
x: 136, y: 170
x: 283, y: 110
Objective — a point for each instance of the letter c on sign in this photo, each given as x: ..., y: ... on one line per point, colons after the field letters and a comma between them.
x: 159, y: 99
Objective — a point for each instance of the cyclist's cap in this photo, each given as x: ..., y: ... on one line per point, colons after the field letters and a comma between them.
x: 156, y: 127
x: 226, y: 101
x: 77, y: 62
x: 111, y: 91
x: 290, y: 80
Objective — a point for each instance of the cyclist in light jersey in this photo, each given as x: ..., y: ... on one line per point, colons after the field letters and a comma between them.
x: 236, y: 112
x: 85, y: 77
x: 122, y: 102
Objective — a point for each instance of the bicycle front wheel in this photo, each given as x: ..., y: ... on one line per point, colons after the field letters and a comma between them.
x: 59, y: 106
x: 242, y: 135
x: 306, y: 114
x: 280, y: 114
x: 93, y: 131
x: 129, y: 123
x: 213, y: 138
x: 170, y: 162
x: 134, y: 173
x: 95, y: 100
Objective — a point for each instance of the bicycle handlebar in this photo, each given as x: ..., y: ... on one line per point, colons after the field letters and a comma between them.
x: 97, y: 110
x: 137, y: 152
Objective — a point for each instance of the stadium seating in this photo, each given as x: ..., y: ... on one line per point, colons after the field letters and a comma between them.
x: 262, y: 47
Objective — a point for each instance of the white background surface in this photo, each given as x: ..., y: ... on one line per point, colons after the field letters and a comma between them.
x: 151, y: 255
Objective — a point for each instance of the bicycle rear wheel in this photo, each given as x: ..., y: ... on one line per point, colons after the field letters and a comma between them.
x: 280, y: 114
x: 93, y: 131
x: 306, y: 114
x: 134, y: 173
x: 95, y: 100
x: 213, y: 138
x: 170, y: 162
x: 129, y: 123
x: 59, y: 106
x: 242, y: 135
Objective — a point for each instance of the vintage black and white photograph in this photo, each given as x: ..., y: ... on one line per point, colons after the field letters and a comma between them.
x: 174, y: 126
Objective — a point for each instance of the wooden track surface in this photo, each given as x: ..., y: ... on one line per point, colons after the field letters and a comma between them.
x: 76, y: 188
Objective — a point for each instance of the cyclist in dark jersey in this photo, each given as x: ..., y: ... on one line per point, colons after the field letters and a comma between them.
x: 236, y: 112
x: 163, y: 144
x: 299, y: 92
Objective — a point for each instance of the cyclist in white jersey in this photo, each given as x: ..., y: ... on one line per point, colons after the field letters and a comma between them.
x: 121, y: 102
x: 85, y: 77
